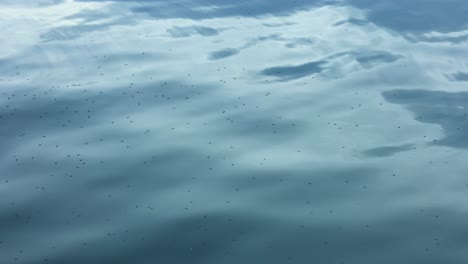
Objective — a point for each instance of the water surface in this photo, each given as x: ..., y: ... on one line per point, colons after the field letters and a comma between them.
x: 214, y: 131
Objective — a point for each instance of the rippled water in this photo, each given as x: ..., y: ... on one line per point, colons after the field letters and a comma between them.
x: 215, y: 131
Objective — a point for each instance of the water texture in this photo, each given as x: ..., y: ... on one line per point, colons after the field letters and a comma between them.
x: 228, y: 132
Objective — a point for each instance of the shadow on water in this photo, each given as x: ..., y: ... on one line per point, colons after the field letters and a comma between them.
x: 183, y: 32
x: 224, y: 53
x: 447, y: 109
x: 386, y: 151
x: 416, y: 16
x: 459, y: 77
x: 366, y: 59
x: 286, y: 73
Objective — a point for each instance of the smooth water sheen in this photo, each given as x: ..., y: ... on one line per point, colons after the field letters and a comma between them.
x: 230, y: 132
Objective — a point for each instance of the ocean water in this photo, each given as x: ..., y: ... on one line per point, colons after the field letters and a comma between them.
x: 228, y: 132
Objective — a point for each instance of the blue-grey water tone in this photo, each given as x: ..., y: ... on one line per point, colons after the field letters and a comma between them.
x: 229, y: 132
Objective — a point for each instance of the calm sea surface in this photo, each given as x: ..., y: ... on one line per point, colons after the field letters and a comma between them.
x: 231, y: 132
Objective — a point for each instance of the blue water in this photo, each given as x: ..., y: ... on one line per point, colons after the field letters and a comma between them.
x: 219, y: 132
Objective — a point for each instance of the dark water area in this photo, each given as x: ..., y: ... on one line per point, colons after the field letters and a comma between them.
x: 214, y: 131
